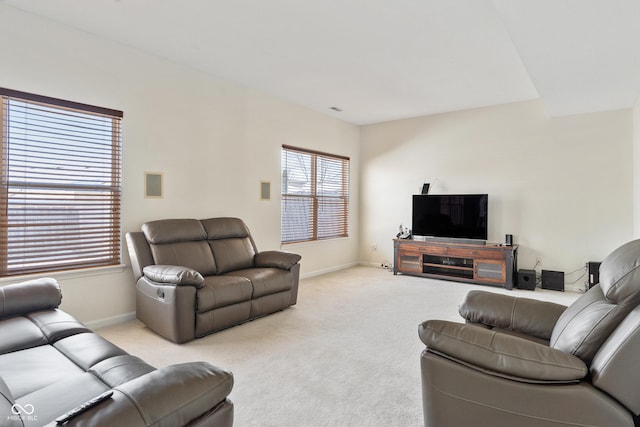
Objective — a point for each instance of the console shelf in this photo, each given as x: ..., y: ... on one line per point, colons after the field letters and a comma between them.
x: 487, y: 264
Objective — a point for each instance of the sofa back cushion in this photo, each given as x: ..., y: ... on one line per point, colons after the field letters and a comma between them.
x: 620, y: 273
x: 588, y: 322
x: 225, y: 228
x: 232, y: 254
x: 180, y: 242
x: 231, y: 243
x: 29, y: 296
x: 614, y: 368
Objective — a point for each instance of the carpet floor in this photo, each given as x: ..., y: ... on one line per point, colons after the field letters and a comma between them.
x: 348, y: 354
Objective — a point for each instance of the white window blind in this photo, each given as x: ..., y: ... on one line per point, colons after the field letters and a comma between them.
x: 315, y: 195
x: 61, y: 187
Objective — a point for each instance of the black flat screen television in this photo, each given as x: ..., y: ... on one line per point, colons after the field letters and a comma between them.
x: 455, y: 216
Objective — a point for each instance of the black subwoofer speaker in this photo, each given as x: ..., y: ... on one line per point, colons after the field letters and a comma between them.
x: 553, y: 280
x: 527, y: 279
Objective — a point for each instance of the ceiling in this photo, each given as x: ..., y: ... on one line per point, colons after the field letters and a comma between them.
x: 380, y: 60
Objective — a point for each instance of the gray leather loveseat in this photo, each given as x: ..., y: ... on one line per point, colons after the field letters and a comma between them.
x: 195, y: 277
x: 50, y: 363
x: 529, y: 363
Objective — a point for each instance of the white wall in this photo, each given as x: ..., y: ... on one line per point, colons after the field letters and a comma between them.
x: 213, y: 140
x: 562, y: 186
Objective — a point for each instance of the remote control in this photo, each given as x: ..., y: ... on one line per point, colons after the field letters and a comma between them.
x: 85, y: 406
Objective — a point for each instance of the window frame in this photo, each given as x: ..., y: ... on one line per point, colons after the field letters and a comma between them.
x: 317, y: 200
x: 108, y: 196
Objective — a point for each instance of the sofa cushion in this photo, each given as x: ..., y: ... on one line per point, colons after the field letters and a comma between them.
x: 56, y: 324
x: 195, y: 255
x: 29, y: 370
x: 220, y: 291
x: 222, y: 317
x: 86, y: 350
x: 19, y: 333
x: 233, y: 254
x: 266, y: 281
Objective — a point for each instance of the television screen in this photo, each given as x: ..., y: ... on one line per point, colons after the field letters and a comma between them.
x: 453, y: 216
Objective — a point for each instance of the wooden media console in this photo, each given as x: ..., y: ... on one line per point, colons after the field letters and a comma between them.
x: 487, y: 264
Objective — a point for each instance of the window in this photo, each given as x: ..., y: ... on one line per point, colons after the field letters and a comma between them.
x: 315, y: 195
x: 60, y: 186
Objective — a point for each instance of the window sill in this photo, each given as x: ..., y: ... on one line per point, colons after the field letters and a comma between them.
x: 66, y: 274
x: 312, y: 242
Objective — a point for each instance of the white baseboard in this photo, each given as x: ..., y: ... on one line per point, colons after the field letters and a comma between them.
x: 328, y: 270
x: 110, y: 321
x: 371, y: 264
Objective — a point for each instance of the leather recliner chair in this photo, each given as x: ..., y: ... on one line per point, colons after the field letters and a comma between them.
x: 523, y: 362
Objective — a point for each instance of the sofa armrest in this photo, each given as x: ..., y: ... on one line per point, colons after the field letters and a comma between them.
x: 277, y: 259
x: 27, y: 297
x: 173, y: 275
x: 178, y: 393
x: 501, y: 354
x: 175, y: 395
x: 528, y: 316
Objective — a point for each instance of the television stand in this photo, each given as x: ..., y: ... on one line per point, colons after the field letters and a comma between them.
x: 488, y: 264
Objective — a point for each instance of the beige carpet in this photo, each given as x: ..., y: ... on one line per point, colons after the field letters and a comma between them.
x: 346, y: 355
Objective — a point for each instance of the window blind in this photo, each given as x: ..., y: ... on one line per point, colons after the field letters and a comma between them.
x: 61, y: 184
x: 315, y: 195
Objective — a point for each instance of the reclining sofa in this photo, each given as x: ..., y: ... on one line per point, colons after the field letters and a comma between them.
x: 529, y: 363
x: 195, y: 277
x: 50, y: 363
